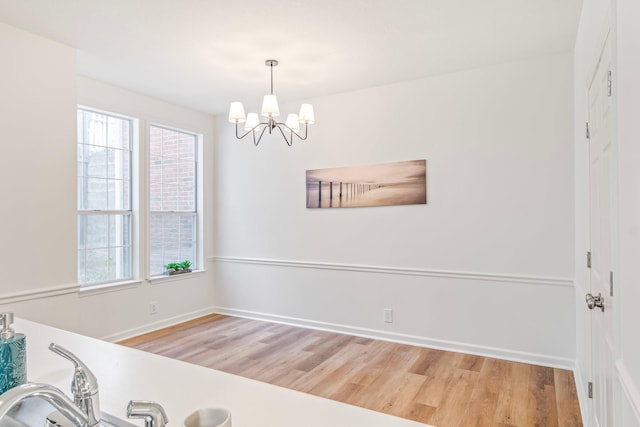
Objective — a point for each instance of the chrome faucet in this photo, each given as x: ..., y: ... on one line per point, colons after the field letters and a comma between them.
x: 47, y: 393
x: 84, y: 386
x: 152, y: 413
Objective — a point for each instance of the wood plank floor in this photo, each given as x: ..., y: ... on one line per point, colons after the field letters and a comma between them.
x: 430, y: 386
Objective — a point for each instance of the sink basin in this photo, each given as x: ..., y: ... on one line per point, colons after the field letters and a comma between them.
x: 108, y: 420
x: 33, y: 412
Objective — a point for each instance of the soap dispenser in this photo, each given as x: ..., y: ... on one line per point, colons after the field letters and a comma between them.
x: 13, y: 355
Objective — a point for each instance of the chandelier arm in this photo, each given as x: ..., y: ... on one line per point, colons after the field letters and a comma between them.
x: 306, y: 127
x: 250, y: 130
x: 259, y: 138
x: 289, y: 142
x: 302, y: 138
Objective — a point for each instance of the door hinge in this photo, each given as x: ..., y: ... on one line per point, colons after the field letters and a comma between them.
x: 587, y: 132
x: 611, y: 283
x: 590, y: 390
x: 588, y: 259
x: 609, y: 83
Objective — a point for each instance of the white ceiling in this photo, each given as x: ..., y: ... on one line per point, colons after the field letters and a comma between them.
x: 204, y: 54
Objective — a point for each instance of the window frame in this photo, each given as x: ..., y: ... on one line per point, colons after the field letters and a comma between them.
x: 131, y: 212
x: 198, y: 202
x: 140, y: 200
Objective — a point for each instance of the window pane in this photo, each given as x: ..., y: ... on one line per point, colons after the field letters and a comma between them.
x: 81, y: 128
x: 187, y: 196
x: 82, y: 196
x: 172, y: 195
x: 118, y: 133
x: 104, y: 247
x: 107, y: 265
x: 172, y: 240
x: 97, y: 265
x: 118, y: 230
x: 169, y: 169
x: 119, y: 265
x: 155, y: 141
x: 116, y: 163
x: 187, y: 147
x: 95, y: 161
x: 118, y: 194
x: 96, y: 129
x: 155, y: 184
x: 81, y: 232
x: 81, y: 266
x: 104, y: 185
x: 95, y: 194
x: 97, y: 229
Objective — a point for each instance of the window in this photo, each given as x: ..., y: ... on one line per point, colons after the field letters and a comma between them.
x: 104, y: 197
x: 109, y: 195
x: 172, y: 197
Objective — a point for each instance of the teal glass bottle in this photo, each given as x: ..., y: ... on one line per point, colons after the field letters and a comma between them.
x: 13, y: 355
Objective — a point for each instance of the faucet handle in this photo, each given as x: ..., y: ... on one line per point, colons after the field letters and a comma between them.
x: 84, y: 383
x: 152, y: 413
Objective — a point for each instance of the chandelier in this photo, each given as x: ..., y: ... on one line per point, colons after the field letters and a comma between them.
x: 270, y: 110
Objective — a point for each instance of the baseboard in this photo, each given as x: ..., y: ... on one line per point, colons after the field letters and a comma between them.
x: 497, y: 353
x: 583, y: 398
x: 154, y: 326
x: 494, y: 352
x: 629, y: 389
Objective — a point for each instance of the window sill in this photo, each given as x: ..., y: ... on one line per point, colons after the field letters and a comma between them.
x: 90, y: 290
x: 163, y: 279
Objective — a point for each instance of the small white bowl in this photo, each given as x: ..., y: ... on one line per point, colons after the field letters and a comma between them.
x: 209, y: 417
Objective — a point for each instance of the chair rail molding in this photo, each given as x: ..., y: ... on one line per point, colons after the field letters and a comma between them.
x: 44, y: 292
x: 452, y: 274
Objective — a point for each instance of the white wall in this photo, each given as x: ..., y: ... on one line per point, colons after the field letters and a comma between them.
x: 125, y: 311
x: 37, y: 175
x: 486, y: 266
x: 40, y: 93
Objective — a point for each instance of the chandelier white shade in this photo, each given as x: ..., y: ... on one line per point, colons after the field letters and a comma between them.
x: 292, y: 122
x: 270, y: 106
x: 253, y: 122
x: 236, y: 112
x: 306, y: 114
x: 270, y: 110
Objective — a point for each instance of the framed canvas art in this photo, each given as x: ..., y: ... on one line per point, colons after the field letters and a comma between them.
x: 385, y: 184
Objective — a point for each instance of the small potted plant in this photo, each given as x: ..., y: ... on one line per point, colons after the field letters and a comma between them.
x: 178, y: 268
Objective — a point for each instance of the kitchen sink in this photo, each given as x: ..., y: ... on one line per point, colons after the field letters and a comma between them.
x: 33, y: 412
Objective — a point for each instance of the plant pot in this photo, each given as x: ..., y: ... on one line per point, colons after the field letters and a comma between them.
x: 172, y: 272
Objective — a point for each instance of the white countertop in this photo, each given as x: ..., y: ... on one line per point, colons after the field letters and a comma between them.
x: 127, y: 374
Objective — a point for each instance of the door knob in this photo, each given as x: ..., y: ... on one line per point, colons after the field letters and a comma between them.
x: 593, y: 302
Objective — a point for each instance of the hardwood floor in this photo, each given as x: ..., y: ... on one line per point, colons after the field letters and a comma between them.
x: 430, y: 386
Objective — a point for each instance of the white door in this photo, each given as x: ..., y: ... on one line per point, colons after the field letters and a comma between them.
x: 600, y: 299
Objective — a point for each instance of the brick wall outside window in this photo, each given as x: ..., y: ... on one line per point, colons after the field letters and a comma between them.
x: 172, y: 197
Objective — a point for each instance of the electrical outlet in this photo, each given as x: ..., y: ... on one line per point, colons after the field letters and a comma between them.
x: 387, y: 315
x: 153, y: 307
